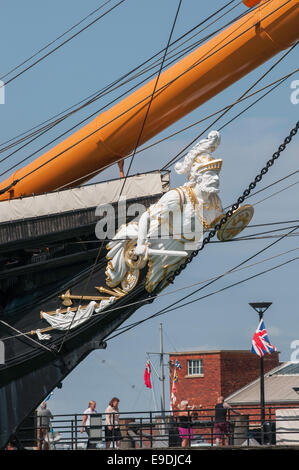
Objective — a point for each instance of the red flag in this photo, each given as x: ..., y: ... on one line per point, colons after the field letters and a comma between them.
x: 147, y: 375
x: 173, y: 391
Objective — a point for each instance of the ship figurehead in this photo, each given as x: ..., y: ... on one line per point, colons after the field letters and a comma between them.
x: 170, y: 229
x: 163, y: 237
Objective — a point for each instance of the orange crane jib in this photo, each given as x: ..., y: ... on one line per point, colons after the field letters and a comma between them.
x: 234, y: 52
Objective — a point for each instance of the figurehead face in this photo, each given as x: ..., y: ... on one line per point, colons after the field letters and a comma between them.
x: 202, y: 168
x: 208, y: 182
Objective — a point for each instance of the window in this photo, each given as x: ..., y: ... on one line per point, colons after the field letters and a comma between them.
x: 195, y: 367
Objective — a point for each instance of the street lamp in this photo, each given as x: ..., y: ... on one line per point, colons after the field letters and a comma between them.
x: 260, y: 308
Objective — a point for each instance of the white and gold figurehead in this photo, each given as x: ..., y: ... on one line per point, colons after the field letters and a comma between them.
x: 175, y: 224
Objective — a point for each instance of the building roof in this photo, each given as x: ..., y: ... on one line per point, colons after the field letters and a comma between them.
x: 279, y: 384
x: 216, y: 351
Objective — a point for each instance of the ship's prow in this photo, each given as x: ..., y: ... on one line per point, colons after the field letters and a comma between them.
x: 53, y: 261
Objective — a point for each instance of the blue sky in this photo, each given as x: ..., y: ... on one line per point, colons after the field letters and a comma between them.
x: 124, y: 38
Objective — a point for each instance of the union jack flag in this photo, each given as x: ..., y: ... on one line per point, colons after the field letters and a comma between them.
x: 177, y: 364
x: 260, y: 342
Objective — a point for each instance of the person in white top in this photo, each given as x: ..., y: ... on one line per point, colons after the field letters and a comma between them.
x: 112, y: 428
x: 86, y: 419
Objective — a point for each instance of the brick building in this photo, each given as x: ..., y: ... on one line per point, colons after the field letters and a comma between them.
x: 205, y: 375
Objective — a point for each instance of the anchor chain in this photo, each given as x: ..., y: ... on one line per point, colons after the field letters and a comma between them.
x: 235, y: 206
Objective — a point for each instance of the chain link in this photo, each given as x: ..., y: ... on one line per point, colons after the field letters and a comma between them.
x: 237, y: 204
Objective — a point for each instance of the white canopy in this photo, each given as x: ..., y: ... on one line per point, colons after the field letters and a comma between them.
x: 82, y: 197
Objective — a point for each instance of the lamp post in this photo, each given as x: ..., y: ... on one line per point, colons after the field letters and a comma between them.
x: 260, y: 308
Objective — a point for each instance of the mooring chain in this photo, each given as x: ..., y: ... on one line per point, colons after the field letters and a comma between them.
x: 235, y: 206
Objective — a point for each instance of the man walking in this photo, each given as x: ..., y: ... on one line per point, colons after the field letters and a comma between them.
x: 221, y: 429
x: 43, y: 425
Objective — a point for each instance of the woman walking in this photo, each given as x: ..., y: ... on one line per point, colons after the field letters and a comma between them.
x: 184, y: 423
x: 112, y: 429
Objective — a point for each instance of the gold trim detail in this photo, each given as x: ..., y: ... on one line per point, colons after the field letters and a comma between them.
x: 132, y: 261
x: 130, y: 280
x: 67, y: 298
x: 43, y: 330
x: 194, y: 201
x: 236, y: 223
x: 114, y: 292
x: 208, y: 163
x: 215, y: 221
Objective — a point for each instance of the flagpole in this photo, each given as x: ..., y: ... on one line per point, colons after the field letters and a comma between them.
x: 162, y: 376
x: 260, y: 308
x: 262, y: 385
x: 153, y: 391
x: 154, y: 397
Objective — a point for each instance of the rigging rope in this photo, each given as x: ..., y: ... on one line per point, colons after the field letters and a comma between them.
x: 54, y: 40
x: 169, y: 39
x: 240, y: 200
x: 227, y: 215
x: 198, y: 62
x: 177, y: 156
x: 62, y: 44
x: 27, y: 337
x: 188, y: 286
x: 278, y: 82
x: 44, y: 130
x: 152, y: 97
x: 98, y: 94
x: 89, y: 175
x: 148, y: 108
x: 277, y: 192
x: 86, y: 286
x: 162, y: 312
x: 269, y: 186
x: 213, y: 232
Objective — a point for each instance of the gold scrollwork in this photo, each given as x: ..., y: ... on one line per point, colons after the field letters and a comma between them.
x: 131, y: 259
x: 130, y: 280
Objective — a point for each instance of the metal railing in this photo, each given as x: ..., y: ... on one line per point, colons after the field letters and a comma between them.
x: 149, y: 429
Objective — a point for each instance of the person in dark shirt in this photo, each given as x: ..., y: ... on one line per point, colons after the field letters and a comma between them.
x: 221, y: 429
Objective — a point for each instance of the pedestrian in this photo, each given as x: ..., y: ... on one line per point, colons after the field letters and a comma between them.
x: 86, y: 421
x: 112, y: 427
x: 10, y: 446
x: 185, y: 423
x: 221, y: 429
x: 44, y: 417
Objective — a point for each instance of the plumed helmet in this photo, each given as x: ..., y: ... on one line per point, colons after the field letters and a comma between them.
x: 201, y: 155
